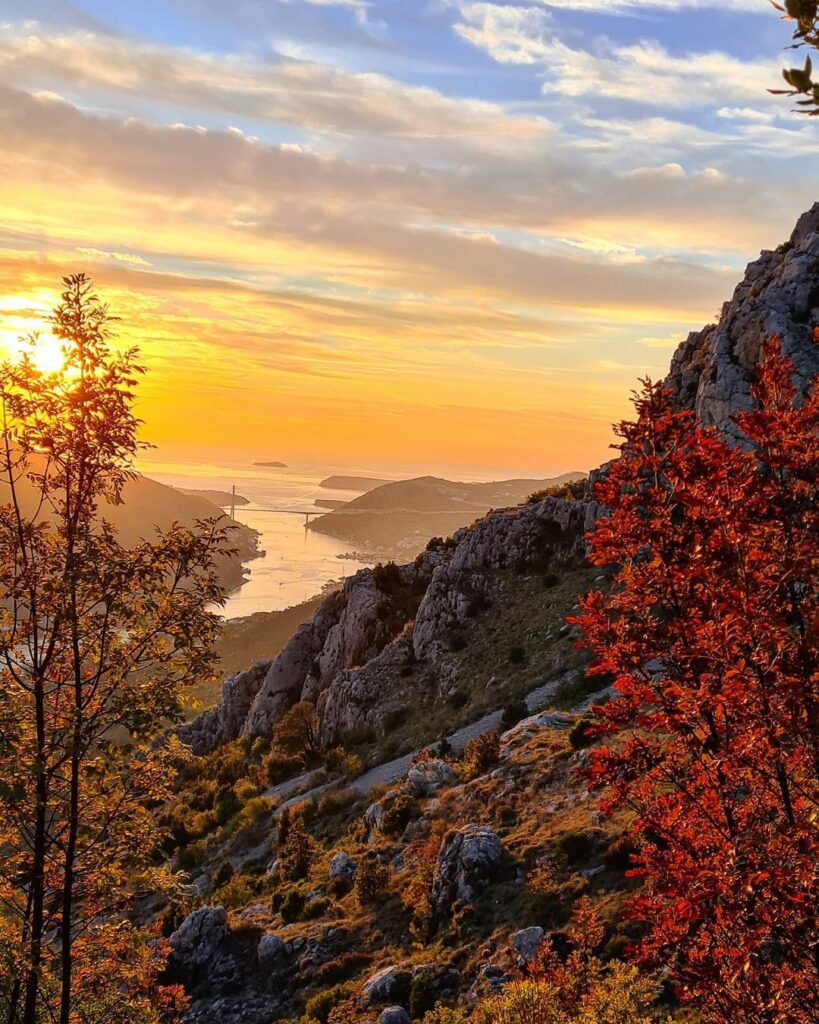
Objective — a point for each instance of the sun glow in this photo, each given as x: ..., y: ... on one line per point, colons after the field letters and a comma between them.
x: 47, y: 354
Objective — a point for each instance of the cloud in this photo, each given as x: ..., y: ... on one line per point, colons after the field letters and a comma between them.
x: 643, y: 72
x: 309, y: 95
x: 118, y: 257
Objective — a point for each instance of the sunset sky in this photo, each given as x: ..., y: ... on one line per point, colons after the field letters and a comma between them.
x: 434, y: 231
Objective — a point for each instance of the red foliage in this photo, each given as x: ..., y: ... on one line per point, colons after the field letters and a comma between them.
x: 711, y: 633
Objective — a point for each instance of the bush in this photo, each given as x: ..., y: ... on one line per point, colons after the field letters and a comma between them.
x: 422, y: 993
x: 339, y: 886
x: 458, y: 700
x: 297, y: 850
x: 245, y: 790
x: 372, y: 881
x: 397, y: 814
x: 514, y: 712
x: 226, y: 804
x: 316, y: 908
x: 444, y: 1015
x: 319, y: 1006
x: 388, y: 578
x: 345, y: 763
x: 578, y: 844
x: 517, y: 654
x: 254, y: 810
x: 280, y: 766
x: 222, y: 875
x: 341, y: 968
x: 289, y: 903
x: 618, y: 855
x: 480, y: 754
x: 579, y: 734
x: 236, y: 893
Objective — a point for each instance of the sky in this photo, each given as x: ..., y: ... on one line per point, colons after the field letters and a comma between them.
x: 419, y: 232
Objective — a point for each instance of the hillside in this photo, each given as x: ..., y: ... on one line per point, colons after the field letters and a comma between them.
x: 399, y: 518
x: 422, y: 877
x: 148, y: 504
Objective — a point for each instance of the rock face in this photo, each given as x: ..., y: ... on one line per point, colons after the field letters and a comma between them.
x: 383, y: 986
x: 712, y: 370
x: 348, y: 658
x: 469, y: 858
x: 201, y: 953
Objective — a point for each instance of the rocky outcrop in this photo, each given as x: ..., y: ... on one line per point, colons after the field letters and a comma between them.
x: 527, y: 942
x: 225, y: 721
x: 712, y: 370
x: 201, y: 953
x: 349, y: 658
x: 469, y: 858
x: 426, y: 777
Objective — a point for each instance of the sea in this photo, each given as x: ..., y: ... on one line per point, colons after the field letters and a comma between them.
x: 297, y: 563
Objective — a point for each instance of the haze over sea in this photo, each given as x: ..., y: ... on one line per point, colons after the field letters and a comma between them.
x: 297, y: 562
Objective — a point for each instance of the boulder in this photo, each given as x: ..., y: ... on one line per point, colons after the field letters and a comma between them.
x: 426, y: 777
x: 341, y: 865
x: 202, y: 955
x: 270, y: 952
x: 384, y: 985
x: 469, y: 858
x: 527, y: 942
x: 394, y: 1015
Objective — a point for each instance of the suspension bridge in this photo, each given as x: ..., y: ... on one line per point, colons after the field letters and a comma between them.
x: 307, y: 513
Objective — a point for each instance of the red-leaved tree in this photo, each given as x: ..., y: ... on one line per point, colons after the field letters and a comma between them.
x: 710, y: 630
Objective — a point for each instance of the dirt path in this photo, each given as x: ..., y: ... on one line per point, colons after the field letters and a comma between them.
x: 303, y: 788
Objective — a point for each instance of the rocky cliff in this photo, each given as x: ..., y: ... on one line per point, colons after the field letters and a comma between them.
x: 712, y: 370
x: 351, y: 659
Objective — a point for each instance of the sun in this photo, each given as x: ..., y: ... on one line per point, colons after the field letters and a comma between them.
x: 47, y: 354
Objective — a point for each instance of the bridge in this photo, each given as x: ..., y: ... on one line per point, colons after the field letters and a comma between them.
x: 281, y: 511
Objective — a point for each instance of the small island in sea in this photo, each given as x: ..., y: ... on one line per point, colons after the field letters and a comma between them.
x: 353, y: 483
x: 272, y: 465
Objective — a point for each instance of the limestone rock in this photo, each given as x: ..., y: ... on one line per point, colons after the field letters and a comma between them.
x: 384, y: 985
x: 426, y: 777
x: 469, y: 858
x: 270, y: 952
x: 224, y: 722
x: 527, y: 942
x: 201, y: 952
x: 712, y: 370
x: 342, y: 864
x: 394, y: 1015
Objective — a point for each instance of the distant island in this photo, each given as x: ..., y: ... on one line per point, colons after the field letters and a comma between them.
x: 353, y: 483
x: 398, y: 518
x: 221, y: 498
x: 272, y: 465
x: 331, y: 503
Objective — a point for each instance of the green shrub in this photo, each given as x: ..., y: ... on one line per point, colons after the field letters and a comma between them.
x: 422, y: 995
x: 222, y: 875
x: 254, y: 810
x: 318, y: 1007
x: 339, y: 886
x: 245, y: 790
x: 316, y: 908
x: 444, y: 1015
x: 619, y: 853
x: 236, y: 893
x: 227, y: 804
x: 289, y: 903
x: 578, y: 845
x: 298, y: 849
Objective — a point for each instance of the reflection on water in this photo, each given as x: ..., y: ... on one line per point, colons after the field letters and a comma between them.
x: 297, y: 562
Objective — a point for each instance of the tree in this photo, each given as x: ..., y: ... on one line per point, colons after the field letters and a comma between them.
x: 96, y: 644
x: 710, y: 630
x: 805, y: 16
x: 297, y: 732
